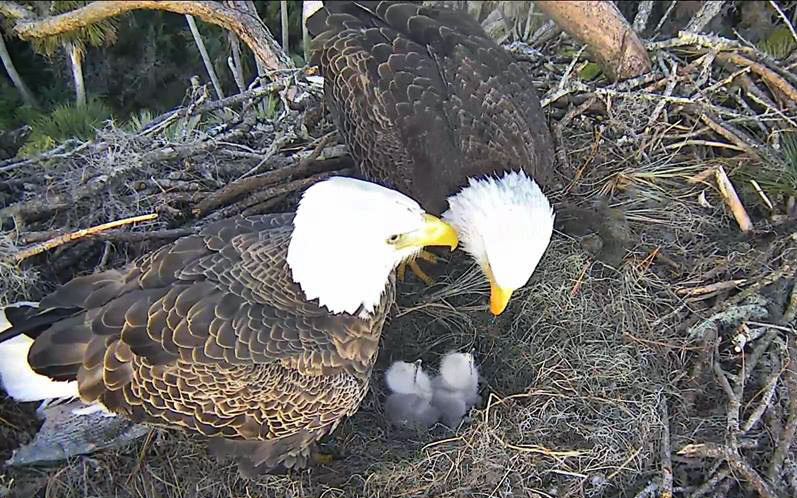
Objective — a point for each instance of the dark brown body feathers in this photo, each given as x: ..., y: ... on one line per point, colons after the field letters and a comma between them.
x: 425, y: 99
x: 210, y: 333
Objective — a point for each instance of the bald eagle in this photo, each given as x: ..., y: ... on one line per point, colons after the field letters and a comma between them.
x: 432, y: 106
x: 259, y: 332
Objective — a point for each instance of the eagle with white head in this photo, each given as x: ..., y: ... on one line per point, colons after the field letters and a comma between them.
x: 428, y: 103
x: 258, y: 332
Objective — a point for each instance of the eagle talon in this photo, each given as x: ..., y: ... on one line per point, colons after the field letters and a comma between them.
x: 420, y: 273
x: 428, y: 256
x: 320, y: 458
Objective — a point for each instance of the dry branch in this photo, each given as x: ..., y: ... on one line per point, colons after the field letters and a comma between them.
x: 782, y: 451
x: 705, y: 289
x: 69, y: 237
x: 666, y: 452
x: 248, y: 28
x: 733, y: 135
x: 707, y: 12
x: 732, y: 200
x: 37, y: 208
x: 643, y: 15
x: 602, y: 27
x: 253, y: 183
x: 769, y: 75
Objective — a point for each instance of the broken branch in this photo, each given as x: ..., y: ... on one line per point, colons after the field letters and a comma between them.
x: 249, y: 29
x: 69, y: 237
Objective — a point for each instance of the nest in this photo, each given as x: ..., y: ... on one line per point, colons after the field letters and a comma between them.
x: 670, y: 373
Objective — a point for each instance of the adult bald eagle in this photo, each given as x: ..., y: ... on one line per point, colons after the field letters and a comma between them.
x: 260, y: 332
x: 431, y: 105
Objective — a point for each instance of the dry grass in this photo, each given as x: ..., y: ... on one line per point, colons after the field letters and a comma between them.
x: 580, y: 369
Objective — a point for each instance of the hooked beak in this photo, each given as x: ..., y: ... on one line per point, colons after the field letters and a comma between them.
x: 499, y: 298
x: 435, y: 232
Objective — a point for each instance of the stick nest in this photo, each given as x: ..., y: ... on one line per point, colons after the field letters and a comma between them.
x: 670, y: 373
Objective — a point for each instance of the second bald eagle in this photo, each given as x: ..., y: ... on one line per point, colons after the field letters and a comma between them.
x: 429, y: 104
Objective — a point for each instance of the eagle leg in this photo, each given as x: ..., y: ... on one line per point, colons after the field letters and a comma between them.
x: 427, y: 256
x: 319, y: 457
x: 416, y: 270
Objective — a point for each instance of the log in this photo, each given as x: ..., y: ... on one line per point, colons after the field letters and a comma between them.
x: 609, y: 37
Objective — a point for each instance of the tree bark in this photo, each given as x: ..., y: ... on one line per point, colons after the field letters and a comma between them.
x: 75, y: 57
x: 284, y: 24
x: 205, y: 57
x: 16, y: 79
x: 602, y: 27
x: 249, y: 28
x: 250, y: 6
x: 237, y: 66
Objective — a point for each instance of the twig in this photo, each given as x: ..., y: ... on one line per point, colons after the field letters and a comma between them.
x: 642, y: 15
x: 790, y: 377
x: 666, y: 15
x: 665, y: 451
x: 732, y: 200
x: 707, y: 143
x: 174, y: 233
x: 35, y: 208
x: 728, y: 284
x: 249, y: 184
x: 69, y: 237
x: 671, y: 84
x: 769, y: 391
x: 56, y: 153
x: 733, y: 135
x: 254, y: 93
x: 707, y: 12
x: 253, y: 203
x: 686, y: 38
x: 791, y: 306
x: 711, y: 484
x: 785, y: 19
x: 205, y: 57
x: 649, y: 490
x: 768, y: 74
x: 735, y: 461
x: 761, y: 194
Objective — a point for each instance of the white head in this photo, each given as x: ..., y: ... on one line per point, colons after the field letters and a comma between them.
x: 349, y: 235
x: 408, y: 378
x: 505, y: 224
x: 459, y: 371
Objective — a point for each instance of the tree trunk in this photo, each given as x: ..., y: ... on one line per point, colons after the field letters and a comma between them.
x: 249, y: 5
x: 236, y: 66
x: 249, y: 28
x: 205, y: 57
x: 284, y: 24
x: 76, y: 64
x: 602, y: 27
x: 16, y: 79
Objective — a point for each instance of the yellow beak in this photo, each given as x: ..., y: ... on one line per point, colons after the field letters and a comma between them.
x: 499, y: 297
x: 435, y: 232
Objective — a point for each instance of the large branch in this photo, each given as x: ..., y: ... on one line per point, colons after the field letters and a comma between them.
x: 602, y: 27
x: 248, y: 28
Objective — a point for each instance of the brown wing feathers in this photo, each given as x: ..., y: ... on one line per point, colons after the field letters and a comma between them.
x: 210, y: 333
x: 425, y: 99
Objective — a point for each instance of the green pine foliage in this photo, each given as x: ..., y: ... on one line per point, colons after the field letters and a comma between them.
x: 779, y: 44
x: 99, y: 34
x: 64, y: 122
x: 10, y: 101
